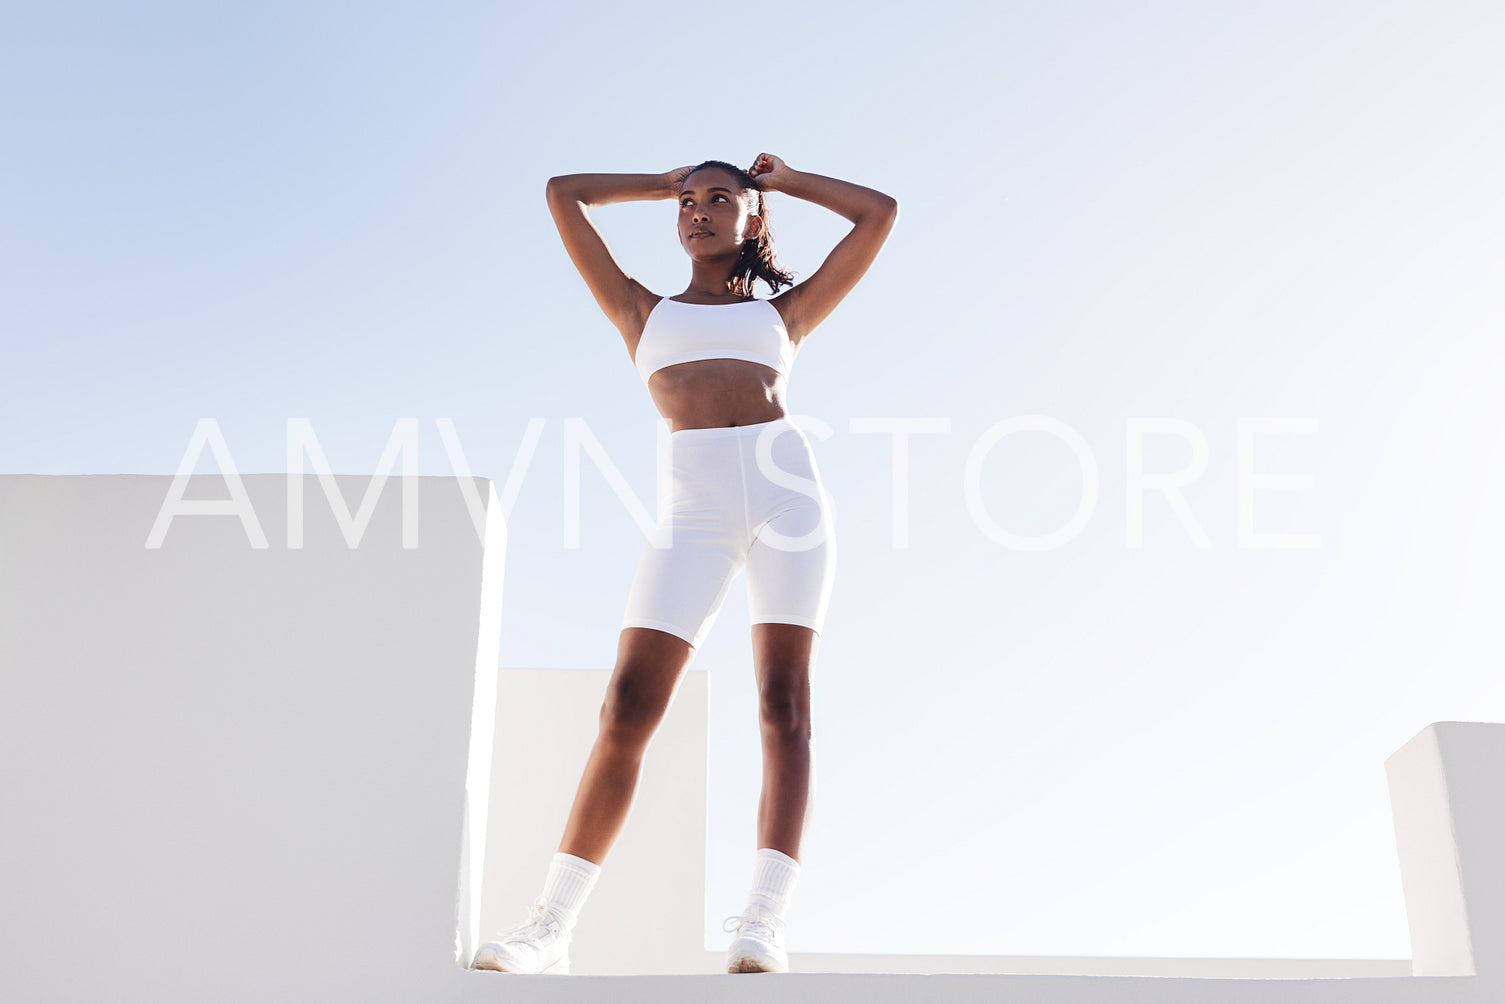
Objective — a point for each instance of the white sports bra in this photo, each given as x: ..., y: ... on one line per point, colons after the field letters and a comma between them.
x: 678, y: 332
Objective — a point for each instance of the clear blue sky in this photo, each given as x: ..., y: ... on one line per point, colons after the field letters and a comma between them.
x: 1199, y: 212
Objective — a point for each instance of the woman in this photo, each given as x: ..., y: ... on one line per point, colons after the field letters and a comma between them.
x: 746, y: 493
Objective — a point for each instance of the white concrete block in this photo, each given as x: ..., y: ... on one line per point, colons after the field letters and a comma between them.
x: 645, y: 915
x: 1447, y: 793
x: 230, y: 772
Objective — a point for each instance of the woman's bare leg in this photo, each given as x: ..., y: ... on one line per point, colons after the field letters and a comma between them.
x: 783, y: 656
x: 649, y: 667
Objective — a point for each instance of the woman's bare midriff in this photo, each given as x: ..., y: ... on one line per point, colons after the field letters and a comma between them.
x: 714, y: 393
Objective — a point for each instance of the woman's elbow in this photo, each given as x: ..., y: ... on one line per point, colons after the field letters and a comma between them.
x: 885, y: 211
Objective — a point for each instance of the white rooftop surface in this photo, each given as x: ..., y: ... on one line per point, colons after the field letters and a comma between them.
x: 239, y: 772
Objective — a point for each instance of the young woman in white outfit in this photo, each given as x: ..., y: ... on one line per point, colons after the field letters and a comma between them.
x: 746, y: 494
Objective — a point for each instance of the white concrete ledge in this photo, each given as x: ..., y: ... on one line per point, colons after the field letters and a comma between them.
x: 815, y: 988
x: 1077, y: 965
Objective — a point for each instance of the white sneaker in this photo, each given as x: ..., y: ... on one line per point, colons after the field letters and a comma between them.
x: 541, y: 945
x: 759, y: 944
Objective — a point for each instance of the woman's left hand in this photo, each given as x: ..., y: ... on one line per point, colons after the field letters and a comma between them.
x: 770, y: 171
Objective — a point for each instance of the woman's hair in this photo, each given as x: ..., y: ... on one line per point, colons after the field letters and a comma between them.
x: 756, y: 261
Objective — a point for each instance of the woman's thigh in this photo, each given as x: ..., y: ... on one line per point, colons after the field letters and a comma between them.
x: 791, y: 567
x: 783, y: 657
x: 680, y: 589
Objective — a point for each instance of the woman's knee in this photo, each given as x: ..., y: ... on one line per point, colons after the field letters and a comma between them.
x: 626, y: 715
x: 633, y: 708
x: 784, y: 709
x: 649, y: 666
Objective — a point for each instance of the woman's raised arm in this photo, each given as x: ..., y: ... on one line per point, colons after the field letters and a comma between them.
x: 873, y: 215
x: 570, y: 196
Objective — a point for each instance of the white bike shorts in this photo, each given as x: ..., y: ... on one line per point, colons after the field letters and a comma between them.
x: 745, y: 495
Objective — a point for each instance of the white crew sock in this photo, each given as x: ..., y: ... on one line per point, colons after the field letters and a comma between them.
x: 570, y: 880
x: 774, y: 876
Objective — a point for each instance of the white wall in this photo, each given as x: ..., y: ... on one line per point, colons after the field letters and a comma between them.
x: 230, y: 772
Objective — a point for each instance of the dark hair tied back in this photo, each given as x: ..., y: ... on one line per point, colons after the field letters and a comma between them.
x: 757, y: 258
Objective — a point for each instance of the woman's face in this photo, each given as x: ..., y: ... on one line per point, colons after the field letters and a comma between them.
x: 714, y: 218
